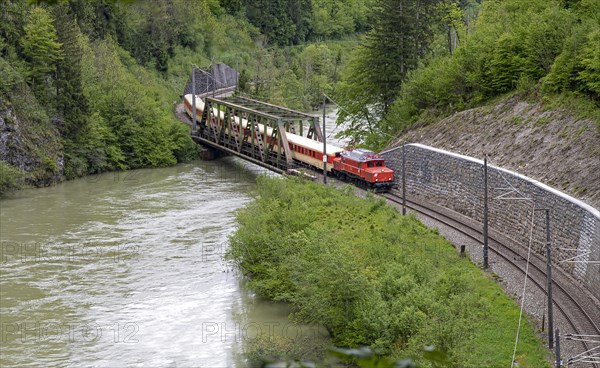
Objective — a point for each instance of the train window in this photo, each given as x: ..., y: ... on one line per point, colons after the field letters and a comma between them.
x: 370, y: 164
x: 379, y: 163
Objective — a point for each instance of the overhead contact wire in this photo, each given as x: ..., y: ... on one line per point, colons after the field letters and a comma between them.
x: 512, y: 364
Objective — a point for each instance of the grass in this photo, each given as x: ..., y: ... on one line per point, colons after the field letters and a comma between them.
x: 541, y: 121
x: 375, y: 278
x: 580, y: 131
x: 575, y: 103
x: 498, y: 327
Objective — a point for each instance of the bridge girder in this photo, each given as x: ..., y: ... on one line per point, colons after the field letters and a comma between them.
x: 236, y: 127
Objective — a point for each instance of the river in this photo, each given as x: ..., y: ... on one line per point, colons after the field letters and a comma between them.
x: 126, y: 269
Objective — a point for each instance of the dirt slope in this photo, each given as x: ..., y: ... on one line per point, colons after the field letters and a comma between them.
x: 552, y: 146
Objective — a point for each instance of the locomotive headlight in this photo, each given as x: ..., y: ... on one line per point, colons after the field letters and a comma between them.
x: 376, y: 174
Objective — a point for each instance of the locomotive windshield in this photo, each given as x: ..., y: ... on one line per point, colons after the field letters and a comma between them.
x: 375, y: 163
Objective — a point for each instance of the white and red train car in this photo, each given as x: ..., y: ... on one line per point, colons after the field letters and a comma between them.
x: 363, y: 167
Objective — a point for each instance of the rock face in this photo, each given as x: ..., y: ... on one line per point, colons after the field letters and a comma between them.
x: 552, y: 146
x: 30, y: 144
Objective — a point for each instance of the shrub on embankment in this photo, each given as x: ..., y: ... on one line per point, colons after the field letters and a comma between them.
x: 373, y: 277
x: 10, y: 178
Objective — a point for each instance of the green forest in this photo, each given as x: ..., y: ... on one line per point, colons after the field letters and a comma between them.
x: 414, y: 69
x: 372, y: 277
x: 90, y: 86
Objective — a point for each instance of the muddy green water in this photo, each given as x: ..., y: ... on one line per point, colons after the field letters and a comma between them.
x: 126, y: 269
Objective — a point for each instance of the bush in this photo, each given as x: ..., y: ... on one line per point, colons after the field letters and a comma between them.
x: 11, y: 178
x: 184, y: 148
x: 589, y: 62
x: 372, y: 277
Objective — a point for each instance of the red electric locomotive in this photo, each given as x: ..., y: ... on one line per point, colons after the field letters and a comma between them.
x: 365, y: 168
x: 360, y: 166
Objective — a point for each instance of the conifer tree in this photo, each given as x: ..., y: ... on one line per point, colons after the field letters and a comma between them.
x: 41, y: 46
x: 70, y: 102
x: 399, y: 38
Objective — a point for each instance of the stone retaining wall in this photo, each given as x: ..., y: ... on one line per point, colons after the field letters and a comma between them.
x: 216, y: 78
x: 456, y: 182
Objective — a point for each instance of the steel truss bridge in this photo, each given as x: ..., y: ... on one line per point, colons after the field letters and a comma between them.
x: 215, y: 127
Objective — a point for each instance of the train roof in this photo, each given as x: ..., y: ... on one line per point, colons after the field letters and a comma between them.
x: 292, y: 138
x: 361, y: 154
x: 312, y: 144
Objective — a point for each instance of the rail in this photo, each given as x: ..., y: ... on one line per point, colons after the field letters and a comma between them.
x: 576, y: 315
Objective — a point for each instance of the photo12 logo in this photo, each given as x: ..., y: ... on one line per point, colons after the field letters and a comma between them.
x: 39, y: 253
x: 223, y: 332
x: 131, y: 176
x: 214, y: 251
x: 34, y: 331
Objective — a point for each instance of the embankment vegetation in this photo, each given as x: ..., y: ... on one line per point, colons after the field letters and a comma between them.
x: 375, y: 278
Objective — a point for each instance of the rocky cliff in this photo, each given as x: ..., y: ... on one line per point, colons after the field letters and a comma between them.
x: 29, y: 142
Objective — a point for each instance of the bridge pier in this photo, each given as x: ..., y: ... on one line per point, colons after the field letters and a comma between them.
x: 207, y: 153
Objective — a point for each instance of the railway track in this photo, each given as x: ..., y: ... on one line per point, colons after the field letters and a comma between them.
x: 582, y: 319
